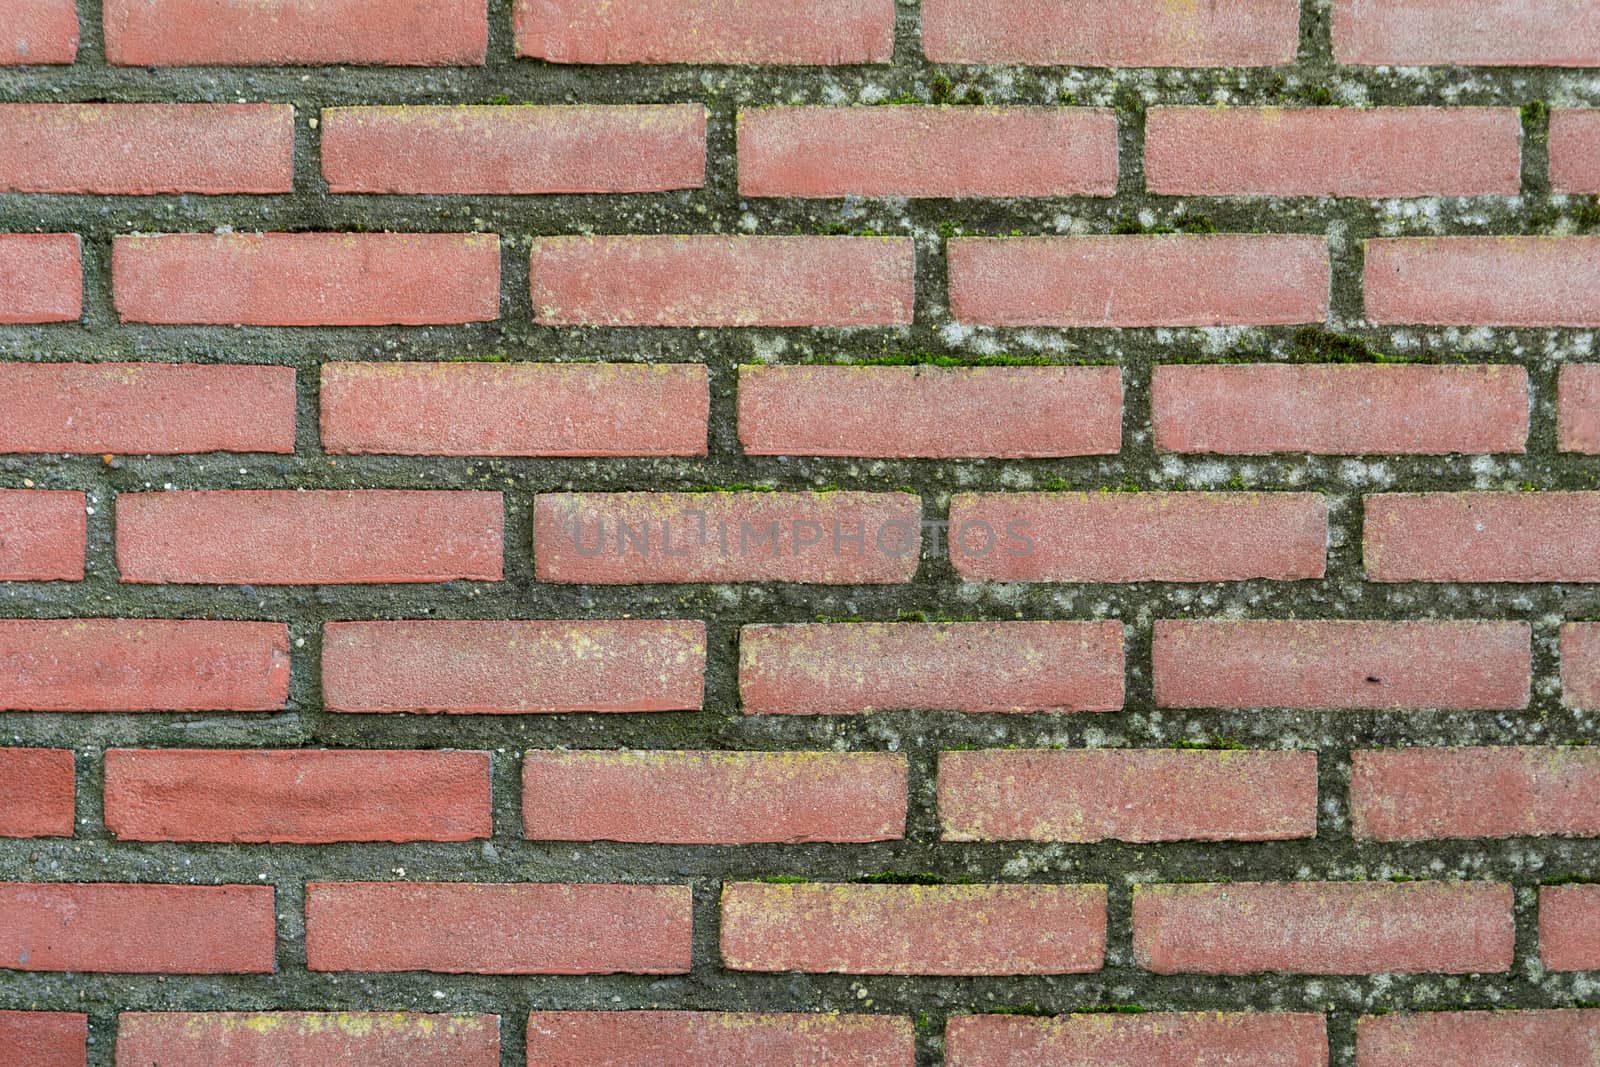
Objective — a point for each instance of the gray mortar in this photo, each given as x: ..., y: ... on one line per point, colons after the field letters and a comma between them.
x: 1333, y: 854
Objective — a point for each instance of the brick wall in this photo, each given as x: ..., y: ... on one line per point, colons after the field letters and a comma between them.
x: 984, y: 532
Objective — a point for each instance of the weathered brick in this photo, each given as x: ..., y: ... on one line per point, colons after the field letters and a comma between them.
x: 41, y: 277
x: 689, y: 798
x: 1483, y: 281
x: 1323, y: 928
x: 307, y: 279
x: 1110, y: 33
x: 767, y: 1039
x: 851, y: 668
x: 848, y: 928
x: 1163, y: 1039
x: 481, y: 928
x: 1333, y: 151
x: 514, y: 667
x: 1339, y: 409
x: 44, y: 1038
x: 240, y: 1039
x: 1138, y: 537
x: 36, y: 794
x: 142, y: 665
x: 1163, y: 280
x: 289, y: 537
x: 515, y: 409
x: 705, y: 31
x: 829, y: 538
x: 296, y: 796
x: 588, y: 148
x: 1479, y: 1038
x: 1419, y: 794
x: 1578, y: 408
x: 39, y: 31
x: 917, y: 151
x: 184, y: 33
x: 1127, y: 795
x: 708, y: 280
x: 1342, y: 663
x: 113, y: 928
x: 930, y: 412
x: 134, y: 149
x: 1580, y: 665
x: 146, y: 408
x: 1575, y: 150
x: 1521, y: 33
x: 1569, y: 929
x: 1482, y: 537
x: 43, y: 534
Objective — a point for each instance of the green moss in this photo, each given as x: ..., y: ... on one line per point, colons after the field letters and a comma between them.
x: 1188, y: 222
x: 1111, y: 1009
x: 1025, y: 1008
x: 910, y: 878
x: 784, y: 879
x: 1213, y: 743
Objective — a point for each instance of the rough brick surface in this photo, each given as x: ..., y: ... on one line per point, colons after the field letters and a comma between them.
x: 1575, y: 150
x: 1578, y: 408
x: 1528, y: 33
x: 1323, y: 928
x: 42, y: 535
x: 1479, y: 1038
x: 469, y: 667
x: 1569, y: 928
x: 37, y: 790
x: 851, y: 668
x: 515, y: 409
x: 44, y: 1038
x: 505, y: 149
x: 767, y: 1039
x: 39, y: 31
x: 688, y: 798
x: 242, y: 1039
x: 146, y: 148
x: 41, y: 277
x: 462, y: 928
x: 935, y: 412
x: 927, y: 151
x: 307, y: 279
x: 1580, y: 665
x: 1481, y: 537
x: 1415, y: 794
x: 913, y: 929
x: 1493, y: 281
x: 1160, y: 1039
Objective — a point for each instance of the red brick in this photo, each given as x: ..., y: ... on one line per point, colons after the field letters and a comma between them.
x: 39, y: 31
x: 705, y: 31
x: 768, y: 1039
x: 1112, y: 33
x: 146, y: 148
x: 928, y: 411
x: 296, y: 796
x: 1569, y: 927
x: 850, y: 668
x: 1419, y: 794
x: 1483, y: 281
x: 1165, y: 1039
x: 307, y: 279
x: 143, y: 665
x: 629, y: 538
x: 1333, y: 151
x: 44, y: 1038
x: 693, y: 798
x: 1339, y: 409
x: 185, y: 33
x: 514, y: 668
x: 1580, y: 665
x: 1230, y: 663
x: 1482, y: 537
x: 1494, y: 33
x: 466, y: 928
x: 1575, y: 150
x: 43, y: 535
x: 1138, y: 537
x: 36, y: 795
x: 913, y: 929
x: 1085, y: 796
x: 1164, y: 280
x: 1479, y: 1039
x: 515, y: 409
x: 288, y: 537
x: 41, y: 277
x: 136, y: 929
x: 1578, y: 408
x: 146, y: 408
x: 255, y: 1039
x: 706, y: 280
x: 1324, y: 928
x: 927, y: 151
x: 634, y: 148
